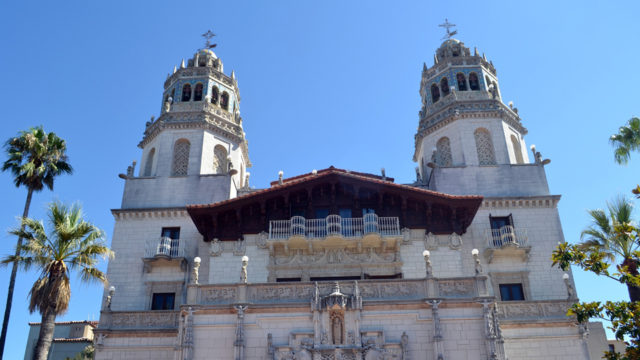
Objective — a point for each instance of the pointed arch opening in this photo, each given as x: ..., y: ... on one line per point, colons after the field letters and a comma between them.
x: 435, y: 93
x: 224, y: 101
x: 443, y: 152
x: 517, y: 149
x: 474, y: 84
x: 215, y: 93
x: 444, y: 86
x: 197, y: 92
x: 186, y: 92
x: 462, y: 82
x: 484, y: 146
x: 148, y: 165
x: 220, y: 159
x: 180, y: 165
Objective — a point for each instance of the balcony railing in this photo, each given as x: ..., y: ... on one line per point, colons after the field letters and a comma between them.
x: 334, y: 225
x: 165, y: 247
x: 507, y: 236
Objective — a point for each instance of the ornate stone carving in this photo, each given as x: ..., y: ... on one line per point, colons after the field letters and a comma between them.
x: 456, y: 288
x: 515, y: 310
x: 262, y: 236
x: 218, y: 295
x: 216, y: 247
x: 144, y: 319
x: 239, y: 248
x: 430, y: 241
x: 455, y: 241
x: 187, y: 335
x: 239, y: 344
x: 406, y: 235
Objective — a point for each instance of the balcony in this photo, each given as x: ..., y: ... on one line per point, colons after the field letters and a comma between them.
x: 372, y: 230
x: 164, y: 251
x: 507, y: 241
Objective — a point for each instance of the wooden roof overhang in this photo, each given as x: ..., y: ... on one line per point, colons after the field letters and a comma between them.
x: 333, y: 189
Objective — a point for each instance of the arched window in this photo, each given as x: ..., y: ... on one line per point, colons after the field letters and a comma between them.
x: 202, y: 62
x: 173, y: 94
x: 473, y: 81
x: 435, y: 93
x: 443, y: 152
x: 486, y: 77
x: 462, y: 82
x: 517, y: 150
x: 484, y: 146
x: 219, y: 159
x: 197, y: 93
x: 224, y: 101
x: 180, y: 157
x: 148, y: 165
x: 214, y: 95
x: 444, y: 86
x: 186, y: 92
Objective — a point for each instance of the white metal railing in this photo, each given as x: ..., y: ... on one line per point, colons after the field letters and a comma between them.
x: 165, y: 247
x: 506, y: 236
x: 334, y: 225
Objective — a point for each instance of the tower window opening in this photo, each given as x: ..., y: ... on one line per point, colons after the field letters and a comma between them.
x: 148, y: 165
x: 474, y: 84
x: 443, y: 152
x: 462, y: 82
x: 214, y: 95
x: 486, y: 77
x: 224, y: 101
x: 197, y: 93
x: 202, y: 62
x: 219, y: 159
x: 444, y: 86
x: 173, y: 94
x: 435, y: 93
x: 517, y: 151
x: 181, y: 157
x: 484, y: 146
x: 186, y: 92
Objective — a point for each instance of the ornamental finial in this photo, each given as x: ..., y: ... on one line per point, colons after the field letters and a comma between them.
x: 447, y: 25
x: 208, y: 36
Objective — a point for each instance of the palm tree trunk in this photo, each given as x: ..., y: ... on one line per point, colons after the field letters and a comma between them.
x: 12, y: 280
x: 634, y: 293
x: 46, y: 336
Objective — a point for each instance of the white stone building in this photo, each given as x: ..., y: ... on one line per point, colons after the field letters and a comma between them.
x: 341, y: 264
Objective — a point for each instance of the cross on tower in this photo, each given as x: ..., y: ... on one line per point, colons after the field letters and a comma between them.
x: 208, y: 36
x: 448, y: 25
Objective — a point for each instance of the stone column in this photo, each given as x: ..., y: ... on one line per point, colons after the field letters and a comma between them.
x: 493, y: 335
x: 438, y: 345
x: 187, y: 335
x: 239, y: 344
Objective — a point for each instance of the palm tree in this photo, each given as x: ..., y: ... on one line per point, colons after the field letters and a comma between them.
x: 35, y: 159
x: 604, y: 236
x: 72, y: 244
x: 626, y: 141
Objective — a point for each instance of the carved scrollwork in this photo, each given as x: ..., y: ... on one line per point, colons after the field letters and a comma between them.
x: 239, y: 248
x: 430, y: 241
x: 262, y: 240
x: 218, y: 295
x: 456, y: 288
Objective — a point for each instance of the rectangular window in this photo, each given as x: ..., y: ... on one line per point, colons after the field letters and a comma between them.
x: 171, y: 232
x: 163, y: 301
x: 498, y: 222
x: 511, y: 292
x: 344, y: 213
x: 288, y: 279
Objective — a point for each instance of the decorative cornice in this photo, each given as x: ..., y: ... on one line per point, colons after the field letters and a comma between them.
x: 121, y: 214
x: 550, y: 201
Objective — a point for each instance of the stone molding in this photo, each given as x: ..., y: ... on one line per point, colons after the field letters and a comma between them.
x: 157, y: 319
x: 123, y: 214
x: 528, y: 202
x: 536, y: 311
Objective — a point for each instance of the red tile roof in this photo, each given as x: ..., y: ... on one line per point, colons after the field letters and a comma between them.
x: 289, y: 182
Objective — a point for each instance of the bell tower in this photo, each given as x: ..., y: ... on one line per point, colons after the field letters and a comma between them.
x: 468, y: 140
x: 195, y: 151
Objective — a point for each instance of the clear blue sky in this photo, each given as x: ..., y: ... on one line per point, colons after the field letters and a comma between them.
x: 322, y: 83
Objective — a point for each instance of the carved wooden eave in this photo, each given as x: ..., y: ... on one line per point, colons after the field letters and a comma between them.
x: 416, y: 208
x: 459, y: 110
x: 198, y: 120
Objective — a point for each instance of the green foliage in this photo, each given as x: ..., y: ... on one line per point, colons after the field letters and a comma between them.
x: 36, y: 158
x: 626, y: 140
x: 623, y: 315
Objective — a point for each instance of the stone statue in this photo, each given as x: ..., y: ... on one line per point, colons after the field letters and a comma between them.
x: 194, y: 270
x: 131, y: 168
x: 404, y: 343
x: 167, y: 105
x: 243, y: 272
